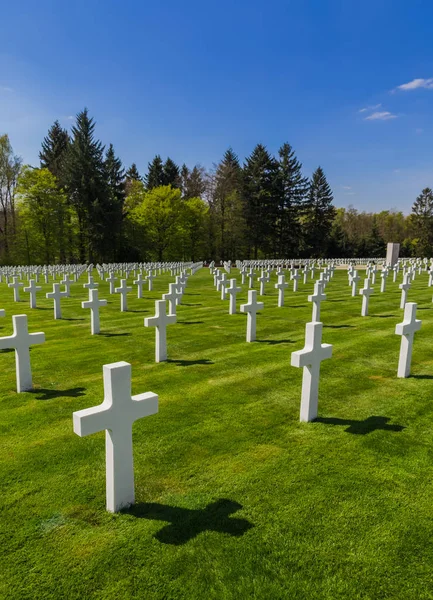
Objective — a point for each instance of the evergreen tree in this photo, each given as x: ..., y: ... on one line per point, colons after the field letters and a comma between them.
x: 132, y: 173
x: 184, y: 177
x: 227, y: 210
x: 155, y: 173
x: 422, y: 219
x: 260, y: 195
x: 318, y: 215
x: 195, y: 183
x: 115, y: 175
x: 87, y: 187
x: 54, y: 150
x: 293, y: 190
x: 171, y: 174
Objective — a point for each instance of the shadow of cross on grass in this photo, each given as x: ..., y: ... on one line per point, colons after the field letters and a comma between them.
x: 187, y: 523
x: 361, y: 427
x: 49, y: 394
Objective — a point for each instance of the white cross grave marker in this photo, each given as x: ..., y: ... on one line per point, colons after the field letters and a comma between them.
x: 405, y: 287
x: 32, y: 288
x: 123, y: 290
x: 21, y: 340
x: 316, y: 298
x: 56, y: 294
x: 407, y: 329
x: 281, y: 286
x: 91, y: 285
x: 354, y: 281
x: 116, y: 415
x: 251, y: 309
x: 111, y: 279
x: 160, y: 321
x: 310, y: 358
x: 172, y: 297
x: 16, y: 287
x: 139, y: 282
x: 232, y: 290
x: 365, y: 293
x: 94, y: 303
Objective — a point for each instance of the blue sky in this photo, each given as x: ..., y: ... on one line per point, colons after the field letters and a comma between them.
x: 188, y: 79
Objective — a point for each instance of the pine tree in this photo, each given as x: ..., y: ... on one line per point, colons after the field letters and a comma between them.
x: 195, y: 183
x: 171, y: 174
x: 115, y: 175
x: 132, y: 173
x: 422, y: 219
x: 227, y: 210
x: 87, y: 187
x: 184, y: 177
x: 155, y: 173
x: 260, y: 195
x: 54, y: 150
x: 318, y: 215
x: 293, y: 190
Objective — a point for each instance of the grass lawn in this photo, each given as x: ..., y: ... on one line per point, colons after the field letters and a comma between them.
x: 235, y: 498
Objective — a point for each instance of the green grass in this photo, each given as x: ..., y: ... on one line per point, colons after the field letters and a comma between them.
x: 235, y: 498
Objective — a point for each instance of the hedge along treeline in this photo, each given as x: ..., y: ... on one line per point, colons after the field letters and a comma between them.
x: 81, y: 205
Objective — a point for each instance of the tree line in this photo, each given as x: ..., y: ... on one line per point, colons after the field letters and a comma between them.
x: 81, y: 205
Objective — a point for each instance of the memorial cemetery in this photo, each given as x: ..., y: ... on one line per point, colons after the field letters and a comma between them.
x: 216, y: 382
x: 204, y: 451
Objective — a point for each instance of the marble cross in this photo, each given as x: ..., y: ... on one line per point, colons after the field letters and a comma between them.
x: 251, y: 309
x: 262, y: 280
x: 281, y: 286
x: 66, y: 281
x: 251, y: 276
x: 160, y: 321
x: 365, y: 292
x: 243, y: 273
x: 405, y: 287
x: 354, y: 281
x: 21, y: 340
x: 150, y: 277
x: 172, y: 297
x: 16, y: 287
x: 310, y: 358
x: 383, y: 275
x: 91, y: 285
x: 123, y: 290
x: 223, y: 285
x: 296, y: 277
x: 32, y: 288
x: 139, y: 282
x: 56, y: 295
x: 94, y: 303
x: 232, y: 290
x: 407, y: 330
x: 316, y: 298
x: 116, y: 416
x: 111, y: 280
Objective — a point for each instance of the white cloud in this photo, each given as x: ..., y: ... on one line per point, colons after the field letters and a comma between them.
x: 346, y: 187
x: 380, y: 116
x: 416, y: 84
x: 4, y: 88
x: 368, y: 108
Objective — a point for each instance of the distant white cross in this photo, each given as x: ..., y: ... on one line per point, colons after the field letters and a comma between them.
x: 160, y: 321
x: 139, y: 282
x: 407, y: 329
x: 310, y: 358
x: 116, y: 415
x: 373, y: 274
x: 66, y: 281
x: 243, y: 273
x: 123, y: 290
x: 91, y: 285
x: 281, y: 286
x: 405, y: 287
x: 354, y: 281
x: 251, y: 308
x: 21, y: 340
x: 32, y: 288
x: 111, y: 280
x: 365, y: 292
x: 223, y: 286
x: 383, y: 275
x: 316, y: 298
x: 16, y: 287
x: 251, y: 276
x: 94, y: 303
x: 56, y: 295
x: 232, y: 290
x: 296, y: 277
x: 150, y: 277
x: 262, y: 280
x: 172, y: 297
